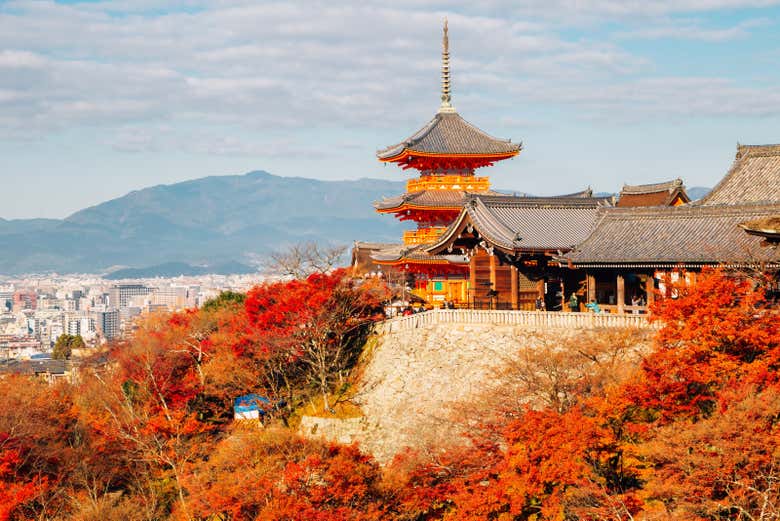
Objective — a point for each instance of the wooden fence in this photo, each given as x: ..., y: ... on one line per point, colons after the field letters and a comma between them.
x: 536, y: 319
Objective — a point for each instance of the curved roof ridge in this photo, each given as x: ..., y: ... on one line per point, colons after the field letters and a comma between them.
x: 549, y: 201
x: 663, y: 186
x: 772, y: 149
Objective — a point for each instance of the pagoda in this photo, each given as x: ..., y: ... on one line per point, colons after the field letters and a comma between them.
x: 446, y: 152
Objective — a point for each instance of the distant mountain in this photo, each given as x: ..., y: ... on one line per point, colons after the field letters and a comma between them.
x: 204, y: 222
x: 208, y: 221
x: 176, y: 269
x: 697, y: 192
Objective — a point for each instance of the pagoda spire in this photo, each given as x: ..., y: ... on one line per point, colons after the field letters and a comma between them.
x: 445, y: 106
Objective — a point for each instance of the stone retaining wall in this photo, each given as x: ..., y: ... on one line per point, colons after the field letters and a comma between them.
x: 413, y: 378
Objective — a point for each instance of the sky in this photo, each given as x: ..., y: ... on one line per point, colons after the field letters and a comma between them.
x: 98, y: 98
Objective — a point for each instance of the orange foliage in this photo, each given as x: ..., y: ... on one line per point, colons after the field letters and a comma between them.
x: 691, y: 434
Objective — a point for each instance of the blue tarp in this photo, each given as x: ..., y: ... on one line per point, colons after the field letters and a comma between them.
x: 251, y: 402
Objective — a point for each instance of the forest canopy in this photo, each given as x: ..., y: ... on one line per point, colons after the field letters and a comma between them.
x: 146, y: 431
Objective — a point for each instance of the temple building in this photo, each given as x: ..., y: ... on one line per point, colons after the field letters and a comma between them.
x: 445, y: 152
x: 475, y: 247
x: 519, y: 248
x: 512, y: 244
x: 670, y: 193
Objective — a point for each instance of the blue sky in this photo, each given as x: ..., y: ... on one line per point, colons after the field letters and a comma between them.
x: 103, y: 97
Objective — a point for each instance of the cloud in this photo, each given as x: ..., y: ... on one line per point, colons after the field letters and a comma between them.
x: 687, y: 30
x: 278, y: 68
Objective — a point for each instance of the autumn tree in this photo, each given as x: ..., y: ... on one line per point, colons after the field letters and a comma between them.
x: 277, y: 475
x: 38, y: 441
x: 312, y: 329
x: 725, y: 466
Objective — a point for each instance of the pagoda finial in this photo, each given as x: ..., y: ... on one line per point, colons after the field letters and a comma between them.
x: 445, y: 106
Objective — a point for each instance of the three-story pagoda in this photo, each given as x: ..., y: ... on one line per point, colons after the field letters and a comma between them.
x: 446, y: 152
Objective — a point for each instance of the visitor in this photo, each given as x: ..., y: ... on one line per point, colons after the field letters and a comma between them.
x: 574, y: 303
x: 635, y: 305
x: 540, y: 305
x: 593, y: 306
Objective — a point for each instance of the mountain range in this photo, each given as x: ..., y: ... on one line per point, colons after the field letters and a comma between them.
x: 205, y: 222
x: 206, y: 225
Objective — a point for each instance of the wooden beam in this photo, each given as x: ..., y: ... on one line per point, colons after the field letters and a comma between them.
x: 514, y: 286
x: 621, y: 294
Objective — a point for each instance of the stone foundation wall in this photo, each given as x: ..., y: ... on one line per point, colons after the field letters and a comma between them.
x: 414, y: 381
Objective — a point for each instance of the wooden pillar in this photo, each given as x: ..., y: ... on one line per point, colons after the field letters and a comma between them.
x: 472, y: 289
x: 621, y: 294
x: 493, y: 264
x: 514, y: 286
x: 650, y: 289
x: 591, y: 284
x: 493, y: 285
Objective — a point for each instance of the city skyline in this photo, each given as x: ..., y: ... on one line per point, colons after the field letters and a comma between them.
x: 101, y: 98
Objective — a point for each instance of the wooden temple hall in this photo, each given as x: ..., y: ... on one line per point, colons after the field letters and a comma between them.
x: 475, y: 247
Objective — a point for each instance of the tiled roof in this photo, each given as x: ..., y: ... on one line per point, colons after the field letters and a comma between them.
x: 656, y: 194
x: 414, y: 253
x: 527, y: 223
x: 48, y: 365
x: 667, y: 236
x: 361, y: 255
x: 425, y: 199
x: 754, y: 177
x: 429, y: 199
x: 449, y: 134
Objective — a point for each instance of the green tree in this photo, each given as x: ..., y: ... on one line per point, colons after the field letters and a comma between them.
x: 65, y: 345
x: 226, y: 299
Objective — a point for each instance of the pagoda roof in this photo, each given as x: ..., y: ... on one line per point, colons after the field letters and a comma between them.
x: 397, y: 254
x: 689, y: 235
x: 656, y: 194
x: 754, y: 177
x: 448, y: 134
x: 428, y: 199
x: 516, y: 224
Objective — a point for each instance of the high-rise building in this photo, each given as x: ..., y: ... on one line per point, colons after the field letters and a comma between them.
x: 173, y: 297
x: 107, y: 322
x: 119, y: 295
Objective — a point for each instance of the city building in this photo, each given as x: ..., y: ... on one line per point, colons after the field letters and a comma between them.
x: 107, y: 323
x: 119, y: 295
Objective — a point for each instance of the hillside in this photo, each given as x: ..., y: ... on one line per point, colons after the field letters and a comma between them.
x: 212, y: 220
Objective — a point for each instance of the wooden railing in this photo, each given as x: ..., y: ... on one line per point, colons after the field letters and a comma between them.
x: 537, y: 319
x: 468, y: 183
